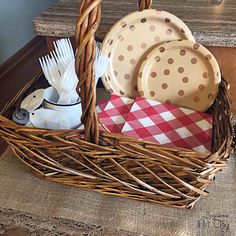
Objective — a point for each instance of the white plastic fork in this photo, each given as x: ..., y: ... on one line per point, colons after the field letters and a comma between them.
x: 50, y: 71
x: 63, y: 62
x: 59, y: 70
x: 63, y: 48
x: 101, y: 63
x: 64, y: 56
x: 68, y: 84
x: 65, y: 83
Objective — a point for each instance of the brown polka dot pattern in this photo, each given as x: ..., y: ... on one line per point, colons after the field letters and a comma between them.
x: 201, y: 87
x: 196, y: 46
x: 132, y: 61
x: 157, y: 39
x: 166, y: 72
x: 127, y: 76
x: 181, y: 92
x: 208, y: 57
x: 152, y: 28
x: 162, y: 49
x: 164, y: 86
x: 143, y: 20
x: 169, y: 31
x: 167, y: 20
x: 123, y: 24
x: 180, y: 69
x: 108, y: 77
x: 141, y: 93
x: 185, y: 79
x: 157, y: 59
x: 168, y: 101
x: 132, y: 27
x: 194, y: 60
x: 153, y: 74
x: 121, y: 38
x: 182, y: 52
x: 121, y: 58
x: 205, y: 75
x: 122, y: 93
x: 170, y: 61
x: 143, y: 45
x: 210, y: 96
x: 124, y: 57
x: 183, y: 31
x: 196, y: 99
x: 111, y: 91
x: 181, y: 72
x: 152, y: 93
x: 130, y: 48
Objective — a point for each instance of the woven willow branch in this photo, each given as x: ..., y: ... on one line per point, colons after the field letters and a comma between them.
x: 145, y: 4
x: 86, y: 48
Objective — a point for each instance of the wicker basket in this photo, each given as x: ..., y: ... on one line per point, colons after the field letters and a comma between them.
x: 111, y: 163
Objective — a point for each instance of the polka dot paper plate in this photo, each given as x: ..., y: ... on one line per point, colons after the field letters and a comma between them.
x: 129, y: 40
x: 183, y: 73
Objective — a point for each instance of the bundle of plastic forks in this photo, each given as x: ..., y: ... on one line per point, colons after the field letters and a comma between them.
x: 59, y: 70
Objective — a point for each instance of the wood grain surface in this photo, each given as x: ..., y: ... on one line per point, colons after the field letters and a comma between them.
x: 212, y: 25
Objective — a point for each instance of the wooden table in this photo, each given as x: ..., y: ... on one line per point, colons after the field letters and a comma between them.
x: 212, y: 25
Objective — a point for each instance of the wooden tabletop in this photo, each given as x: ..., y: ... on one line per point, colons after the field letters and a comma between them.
x: 212, y: 25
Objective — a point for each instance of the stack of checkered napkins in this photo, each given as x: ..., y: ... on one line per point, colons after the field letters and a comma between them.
x: 158, y: 122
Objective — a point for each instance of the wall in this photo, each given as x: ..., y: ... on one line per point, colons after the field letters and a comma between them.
x: 16, y: 23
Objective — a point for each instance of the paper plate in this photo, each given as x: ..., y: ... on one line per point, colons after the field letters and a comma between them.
x: 182, y: 73
x: 129, y: 40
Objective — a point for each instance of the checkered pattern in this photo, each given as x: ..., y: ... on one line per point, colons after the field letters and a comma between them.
x: 166, y: 124
x: 101, y: 105
x: 115, y: 113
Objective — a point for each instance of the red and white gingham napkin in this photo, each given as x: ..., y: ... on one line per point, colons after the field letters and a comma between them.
x: 101, y: 105
x: 169, y: 125
x: 114, y: 115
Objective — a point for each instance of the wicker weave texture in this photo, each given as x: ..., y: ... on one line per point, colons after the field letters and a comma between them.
x: 111, y: 163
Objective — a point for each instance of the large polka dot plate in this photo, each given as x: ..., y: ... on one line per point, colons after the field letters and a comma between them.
x: 182, y: 73
x: 129, y: 40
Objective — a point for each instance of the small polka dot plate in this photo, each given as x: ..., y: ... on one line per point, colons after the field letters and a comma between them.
x: 128, y: 41
x: 183, y: 73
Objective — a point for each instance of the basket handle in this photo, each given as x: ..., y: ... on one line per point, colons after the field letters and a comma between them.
x: 86, y: 26
x: 144, y: 4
